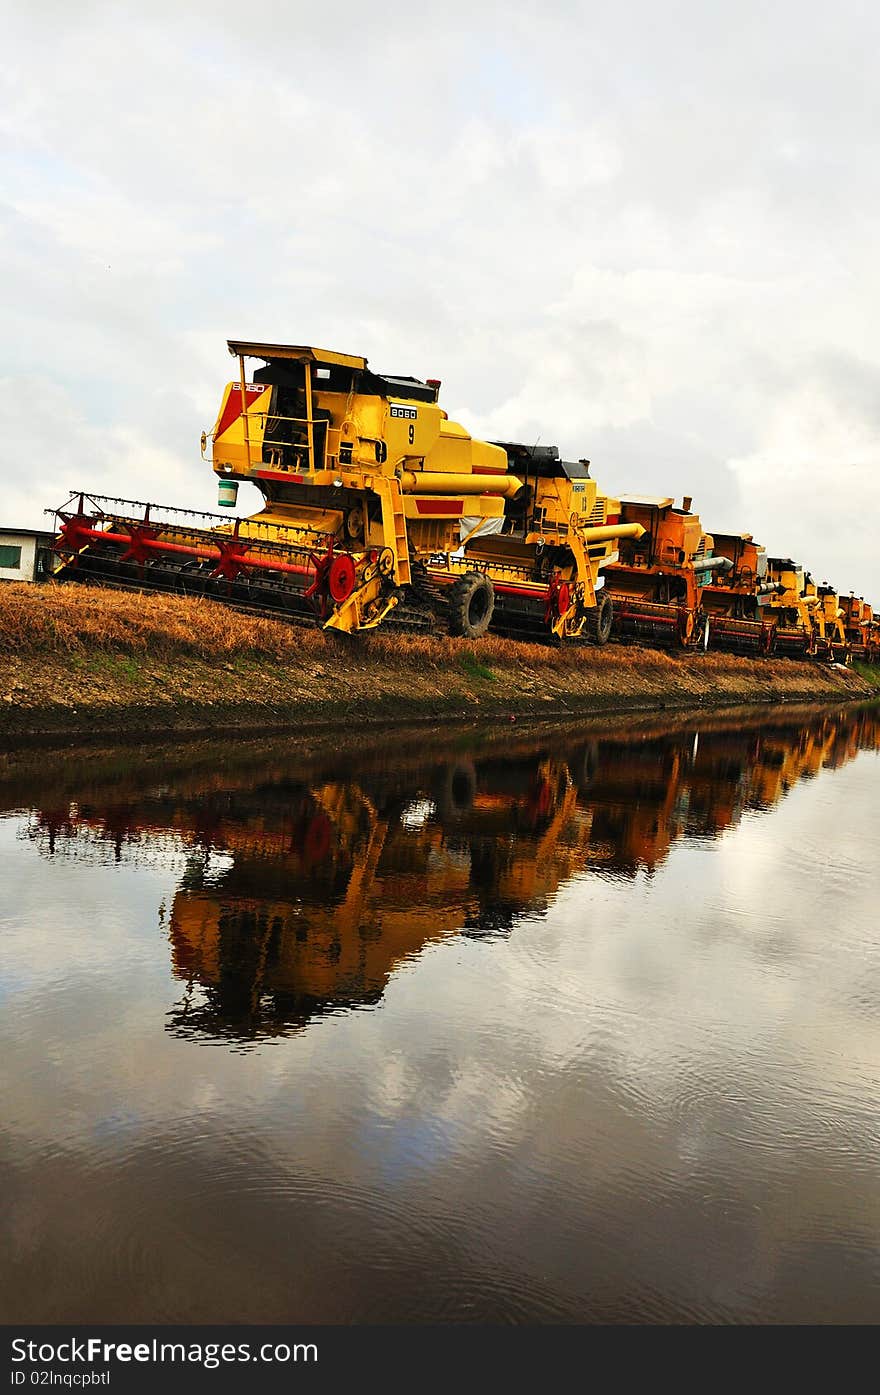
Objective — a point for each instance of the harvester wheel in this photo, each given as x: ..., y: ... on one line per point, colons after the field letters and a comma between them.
x: 600, y: 619
x: 456, y: 789
x: 471, y: 603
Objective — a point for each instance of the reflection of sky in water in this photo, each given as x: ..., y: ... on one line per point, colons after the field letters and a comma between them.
x: 657, y: 1097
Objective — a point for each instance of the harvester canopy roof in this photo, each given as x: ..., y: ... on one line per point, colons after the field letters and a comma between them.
x: 543, y: 460
x: 337, y: 370
x: 741, y: 537
x: 647, y: 501
x: 300, y: 353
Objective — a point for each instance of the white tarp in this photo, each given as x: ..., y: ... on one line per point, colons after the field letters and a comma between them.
x: 469, y: 523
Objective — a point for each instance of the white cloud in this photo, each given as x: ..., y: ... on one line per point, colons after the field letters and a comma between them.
x: 647, y: 235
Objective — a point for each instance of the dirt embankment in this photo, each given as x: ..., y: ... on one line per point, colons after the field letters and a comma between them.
x: 78, y: 661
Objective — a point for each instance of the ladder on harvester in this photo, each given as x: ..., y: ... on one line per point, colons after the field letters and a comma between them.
x: 394, y: 522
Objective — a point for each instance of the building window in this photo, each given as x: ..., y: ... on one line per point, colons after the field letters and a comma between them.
x: 10, y: 556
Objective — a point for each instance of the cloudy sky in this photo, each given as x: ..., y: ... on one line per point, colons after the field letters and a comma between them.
x: 646, y: 231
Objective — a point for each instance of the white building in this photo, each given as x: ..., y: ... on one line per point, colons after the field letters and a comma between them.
x: 25, y: 554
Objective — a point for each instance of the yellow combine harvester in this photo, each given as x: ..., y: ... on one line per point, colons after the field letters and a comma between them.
x: 375, y: 502
x: 734, y: 599
x: 828, y: 622
x: 861, y: 628
x: 790, y: 604
x: 656, y: 583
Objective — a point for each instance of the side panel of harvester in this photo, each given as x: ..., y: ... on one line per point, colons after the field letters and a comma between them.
x: 657, y: 582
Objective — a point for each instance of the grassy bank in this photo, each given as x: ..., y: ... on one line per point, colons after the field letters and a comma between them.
x: 869, y: 674
x: 79, y: 660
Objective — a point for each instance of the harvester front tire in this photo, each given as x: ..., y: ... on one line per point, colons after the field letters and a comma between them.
x: 600, y: 620
x: 471, y: 603
x: 456, y: 789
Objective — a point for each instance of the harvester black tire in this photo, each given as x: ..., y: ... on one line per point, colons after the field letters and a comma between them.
x: 600, y: 619
x: 471, y: 603
x: 456, y: 789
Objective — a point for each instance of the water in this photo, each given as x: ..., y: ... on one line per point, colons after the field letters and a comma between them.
x: 566, y: 1024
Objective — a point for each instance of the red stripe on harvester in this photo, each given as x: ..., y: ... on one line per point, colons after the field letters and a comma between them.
x: 651, y: 619
x: 504, y: 588
x: 443, y: 506
x: 279, y: 475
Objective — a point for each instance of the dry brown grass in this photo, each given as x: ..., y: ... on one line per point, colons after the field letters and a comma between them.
x: 441, y: 650
x: 58, y: 618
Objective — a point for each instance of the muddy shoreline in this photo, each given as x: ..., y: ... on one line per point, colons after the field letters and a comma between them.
x: 88, y: 664
x: 99, y: 696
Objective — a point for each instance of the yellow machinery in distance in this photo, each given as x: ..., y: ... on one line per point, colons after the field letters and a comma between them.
x: 657, y: 583
x: 789, y: 605
x: 828, y: 623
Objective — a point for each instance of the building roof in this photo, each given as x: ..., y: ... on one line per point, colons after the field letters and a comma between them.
x: 649, y: 501
x: 26, y: 532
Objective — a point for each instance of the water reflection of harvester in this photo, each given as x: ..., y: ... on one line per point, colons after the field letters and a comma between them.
x: 321, y: 914
x: 633, y: 799
x: 302, y: 896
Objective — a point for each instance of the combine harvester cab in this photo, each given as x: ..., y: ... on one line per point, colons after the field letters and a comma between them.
x: 657, y: 581
x: 537, y: 571
x: 735, y: 598
x: 790, y: 600
x: 366, y: 484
